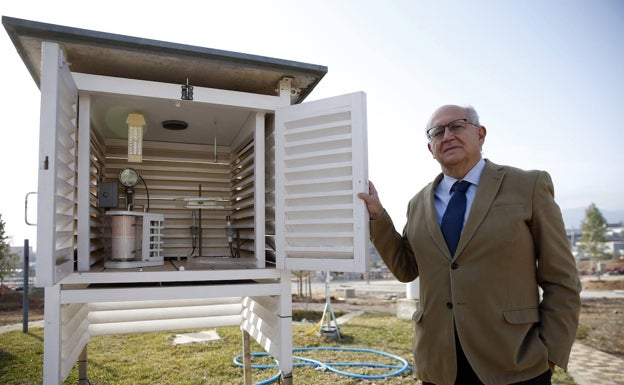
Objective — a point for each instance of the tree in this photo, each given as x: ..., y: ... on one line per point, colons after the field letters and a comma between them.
x: 8, y: 261
x: 303, y: 275
x: 593, y: 238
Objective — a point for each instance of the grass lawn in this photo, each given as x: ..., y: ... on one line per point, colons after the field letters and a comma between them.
x: 151, y: 358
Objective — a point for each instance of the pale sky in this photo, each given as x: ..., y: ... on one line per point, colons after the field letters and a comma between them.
x: 547, y: 78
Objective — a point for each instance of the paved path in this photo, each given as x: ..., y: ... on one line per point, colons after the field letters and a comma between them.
x: 589, y: 366
x: 10, y: 328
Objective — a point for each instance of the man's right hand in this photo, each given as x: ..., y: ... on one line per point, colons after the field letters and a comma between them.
x: 373, y: 204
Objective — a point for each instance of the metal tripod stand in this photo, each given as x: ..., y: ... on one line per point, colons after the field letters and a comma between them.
x: 327, y: 329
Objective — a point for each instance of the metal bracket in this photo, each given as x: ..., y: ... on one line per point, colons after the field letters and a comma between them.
x: 285, y: 87
x: 187, y: 91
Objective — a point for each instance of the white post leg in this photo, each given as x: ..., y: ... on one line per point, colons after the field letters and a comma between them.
x: 82, y: 367
x: 285, y: 319
x: 52, y: 336
x: 246, y: 358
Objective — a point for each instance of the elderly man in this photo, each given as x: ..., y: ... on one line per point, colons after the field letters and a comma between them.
x: 484, y: 239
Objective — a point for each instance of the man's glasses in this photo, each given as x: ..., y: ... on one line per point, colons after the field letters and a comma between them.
x: 456, y: 127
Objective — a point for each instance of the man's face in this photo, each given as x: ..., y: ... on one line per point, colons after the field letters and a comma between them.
x: 459, y: 150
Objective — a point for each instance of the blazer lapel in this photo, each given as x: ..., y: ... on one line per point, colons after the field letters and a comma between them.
x: 489, y: 184
x: 431, y: 218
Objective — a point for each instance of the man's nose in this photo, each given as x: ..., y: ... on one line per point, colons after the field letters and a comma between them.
x: 448, y: 134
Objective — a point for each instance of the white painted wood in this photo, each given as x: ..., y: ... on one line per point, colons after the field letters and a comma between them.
x: 74, y: 335
x: 262, y: 324
x: 167, y: 292
x: 72, y: 347
x: 257, y: 329
x: 176, y: 312
x: 285, y: 325
x: 253, y: 312
x: 259, y: 192
x: 84, y: 183
x: 91, y: 243
x: 269, y: 303
x: 269, y: 185
x: 134, y: 275
x: 244, y: 201
x: 104, y: 84
x: 103, y: 306
x: 246, y: 132
x: 57, y: 165
x: 72, y: 316
x: 163, y: 325
x: 320, y: 166
x: 52, y: 338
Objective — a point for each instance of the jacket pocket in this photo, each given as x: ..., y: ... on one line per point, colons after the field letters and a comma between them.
x: 522, y: 316
x: 507, y: 209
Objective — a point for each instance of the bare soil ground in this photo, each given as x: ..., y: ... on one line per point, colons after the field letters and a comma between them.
x: 602, y: 319
x: 601, y: 322
x: 11, y: 306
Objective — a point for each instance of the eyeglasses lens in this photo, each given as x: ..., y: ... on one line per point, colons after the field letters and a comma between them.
x: 456, y: 126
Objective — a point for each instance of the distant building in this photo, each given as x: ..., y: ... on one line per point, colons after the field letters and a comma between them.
x: 614, y: 235
x: 19, y: 250
x: 615, y: 239
x: 19, y: 272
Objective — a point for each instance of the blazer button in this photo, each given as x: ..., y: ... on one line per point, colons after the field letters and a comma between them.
x: 449, y: 305
x: 454, y: 266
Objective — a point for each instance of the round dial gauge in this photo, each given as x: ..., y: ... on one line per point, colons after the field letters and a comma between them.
x: 129, y: 177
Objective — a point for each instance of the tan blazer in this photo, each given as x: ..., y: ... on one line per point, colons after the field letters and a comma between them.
x: 513, y: 244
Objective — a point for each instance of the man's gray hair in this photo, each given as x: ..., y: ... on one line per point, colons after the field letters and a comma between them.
x: 473, y: 116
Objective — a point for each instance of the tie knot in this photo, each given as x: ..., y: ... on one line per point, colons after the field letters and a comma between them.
x: 461, y: 186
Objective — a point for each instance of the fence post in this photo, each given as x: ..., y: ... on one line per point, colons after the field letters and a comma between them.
x: 26, y: 271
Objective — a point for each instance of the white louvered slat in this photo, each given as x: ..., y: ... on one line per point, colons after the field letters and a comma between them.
x: 97, y: 225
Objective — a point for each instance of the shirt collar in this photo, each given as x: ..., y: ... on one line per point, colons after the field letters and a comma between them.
x: 473, y: 176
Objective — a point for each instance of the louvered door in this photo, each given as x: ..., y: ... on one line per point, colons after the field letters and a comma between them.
x: 320, y: 166
x: 57, y: 169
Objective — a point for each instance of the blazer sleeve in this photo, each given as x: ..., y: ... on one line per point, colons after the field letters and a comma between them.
x: 393, y: 248
x: 556, y: 273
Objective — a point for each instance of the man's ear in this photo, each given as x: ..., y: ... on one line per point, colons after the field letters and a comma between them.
x: 482, y: 134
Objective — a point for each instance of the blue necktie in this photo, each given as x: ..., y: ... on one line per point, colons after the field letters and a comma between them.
x: 453, y: 218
